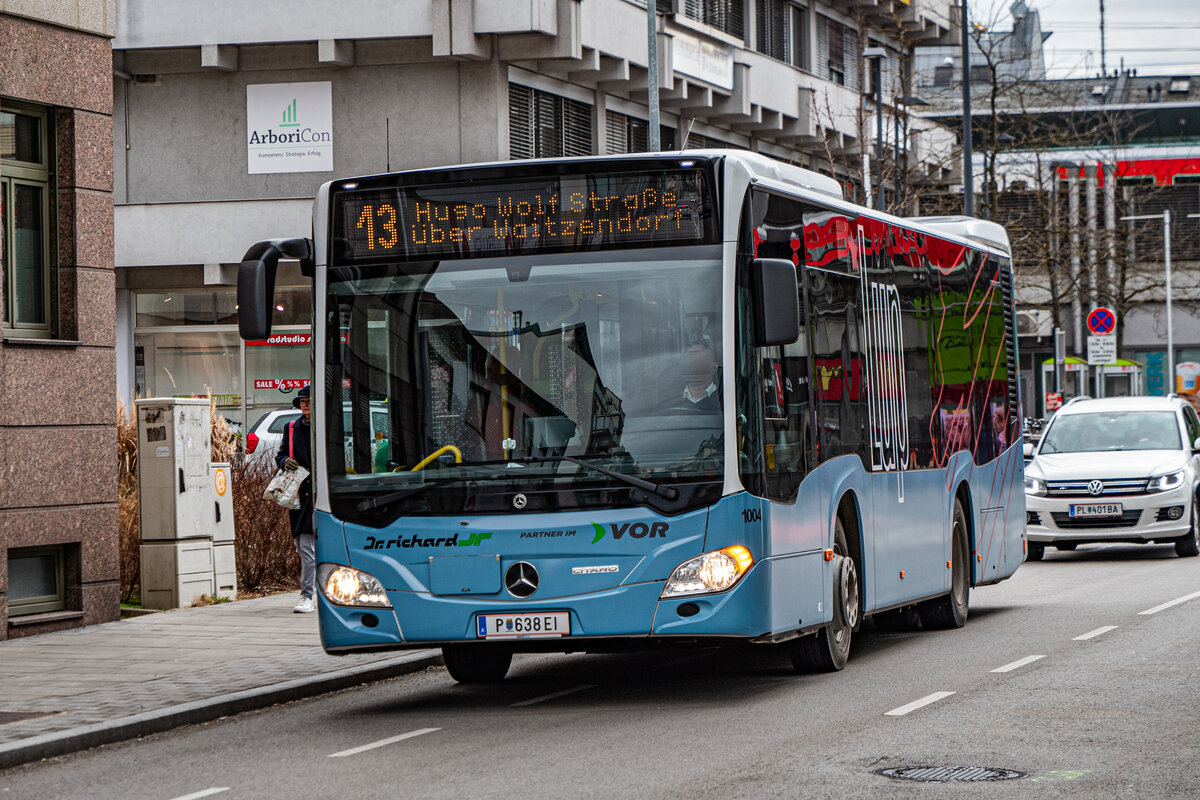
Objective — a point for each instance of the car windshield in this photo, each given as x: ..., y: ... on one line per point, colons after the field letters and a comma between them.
x: 1112, y: 430
x: 493, y: 370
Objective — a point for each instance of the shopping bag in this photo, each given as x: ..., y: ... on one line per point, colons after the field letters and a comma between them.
x: 284, y: 488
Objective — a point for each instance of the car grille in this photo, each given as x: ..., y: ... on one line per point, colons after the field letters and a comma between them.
x: 1064, y: 521
x: 1112, y: 487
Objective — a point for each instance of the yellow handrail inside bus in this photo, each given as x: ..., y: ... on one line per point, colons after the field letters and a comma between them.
x: 447, y: 449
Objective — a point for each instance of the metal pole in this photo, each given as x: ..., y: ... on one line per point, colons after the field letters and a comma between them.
x: 879, y: 131
x: 653, y: 143
x: 968, y: 156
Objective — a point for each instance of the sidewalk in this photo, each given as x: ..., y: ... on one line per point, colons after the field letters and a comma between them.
x: 68, y: 691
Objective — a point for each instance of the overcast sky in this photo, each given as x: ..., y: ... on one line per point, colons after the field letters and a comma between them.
x: 1156, y: 37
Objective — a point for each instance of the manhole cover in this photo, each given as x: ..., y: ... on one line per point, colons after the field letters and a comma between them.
x: 948, y: 774
x: 18, y: 716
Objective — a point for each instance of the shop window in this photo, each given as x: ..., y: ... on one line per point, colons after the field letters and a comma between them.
x: 25, y: 191
x: 544, y: 125
x: 36, y: 581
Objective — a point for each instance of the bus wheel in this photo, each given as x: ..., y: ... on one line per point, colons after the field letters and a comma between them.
x: 476, y: 663
x: 950, y: 610
x: 829, y: 649
x: 1035, y: 551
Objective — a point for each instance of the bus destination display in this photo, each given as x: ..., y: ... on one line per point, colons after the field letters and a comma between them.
x: 524, y: 216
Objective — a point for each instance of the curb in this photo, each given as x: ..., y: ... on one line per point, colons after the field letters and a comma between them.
x: 84, y: 737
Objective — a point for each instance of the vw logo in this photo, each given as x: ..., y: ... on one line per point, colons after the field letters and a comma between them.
x: 519, y: 501
x: 521, y: 579
x: 1095, y: 487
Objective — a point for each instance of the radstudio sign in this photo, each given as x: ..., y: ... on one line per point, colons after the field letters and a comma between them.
x: 289, y: 127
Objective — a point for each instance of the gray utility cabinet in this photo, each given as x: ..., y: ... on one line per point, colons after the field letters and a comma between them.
x: 174, y: 472
x: 180, y: 505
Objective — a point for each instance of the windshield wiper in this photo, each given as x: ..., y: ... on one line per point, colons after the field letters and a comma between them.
x: 372, y: 503
x: 667, y: 492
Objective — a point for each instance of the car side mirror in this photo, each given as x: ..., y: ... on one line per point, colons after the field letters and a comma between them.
x: 1027, y: 448
x: 1196, y: 445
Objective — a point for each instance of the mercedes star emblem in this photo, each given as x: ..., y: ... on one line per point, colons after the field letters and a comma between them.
x: 521, y: 579
x: 519, y: 501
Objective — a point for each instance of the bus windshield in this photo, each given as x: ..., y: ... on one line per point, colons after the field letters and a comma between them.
x: 511, y: 373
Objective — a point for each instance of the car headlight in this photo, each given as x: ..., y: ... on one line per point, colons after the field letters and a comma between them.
x: 1035, y: 487
x: 710, y: 572
x: 347, y: 586
x: 1165, y: 483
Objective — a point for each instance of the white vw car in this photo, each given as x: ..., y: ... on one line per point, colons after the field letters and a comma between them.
x: 1121, y: 469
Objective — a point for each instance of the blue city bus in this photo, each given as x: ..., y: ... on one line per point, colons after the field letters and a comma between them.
x: 684, y: 399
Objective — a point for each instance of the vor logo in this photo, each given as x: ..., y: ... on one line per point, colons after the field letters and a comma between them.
x: 637, y: 530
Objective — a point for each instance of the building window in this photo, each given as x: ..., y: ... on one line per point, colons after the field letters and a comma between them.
x: 727, y: 16
x: 25, y: 192
x: 782, y: 32
x: 35, y: 581
x: 626, y: 134
x: 837, y: 48
x: 544, y: 125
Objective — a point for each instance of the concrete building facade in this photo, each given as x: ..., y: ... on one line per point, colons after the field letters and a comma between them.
x: 369, y: 87
x: 58, y: 489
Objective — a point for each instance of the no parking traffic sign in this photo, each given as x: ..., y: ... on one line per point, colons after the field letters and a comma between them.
x: 1102, y: 321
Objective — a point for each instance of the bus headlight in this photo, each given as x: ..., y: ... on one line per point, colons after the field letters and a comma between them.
x: 710, y: 572
x: 347, y: 586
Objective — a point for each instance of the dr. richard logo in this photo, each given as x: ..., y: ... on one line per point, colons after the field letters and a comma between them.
x: 474, y: 540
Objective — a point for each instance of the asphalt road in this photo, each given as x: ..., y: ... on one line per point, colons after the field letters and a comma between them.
x: 1076, y: 673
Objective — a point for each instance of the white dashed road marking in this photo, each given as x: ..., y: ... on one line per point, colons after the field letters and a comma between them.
x: 205, y: 793
x: 1169, y: 603
x: 1017, y: 664
x: 390, y: 740
x: 556, y: 694
x: 915, y: 704
x: 1095, y: 633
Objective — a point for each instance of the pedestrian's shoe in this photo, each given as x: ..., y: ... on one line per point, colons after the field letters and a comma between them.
x: 305, y: 606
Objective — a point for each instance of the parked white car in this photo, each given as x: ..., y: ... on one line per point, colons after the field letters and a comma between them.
x: 1122, y: 469
x: 262, y: 442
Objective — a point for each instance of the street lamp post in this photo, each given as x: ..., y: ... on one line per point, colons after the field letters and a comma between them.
x: 1165, y: 216
x: 877, y: 54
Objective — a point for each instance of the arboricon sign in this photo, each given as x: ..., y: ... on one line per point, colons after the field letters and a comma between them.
x: 289, y: 127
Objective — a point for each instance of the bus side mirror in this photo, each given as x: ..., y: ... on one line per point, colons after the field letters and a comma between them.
x: 776, y: 302
x: 256, y: 282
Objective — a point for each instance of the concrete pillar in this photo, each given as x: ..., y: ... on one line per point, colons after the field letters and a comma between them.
x: 1073, y: 226
x: 1089, y: 177
x: 1110, y: 224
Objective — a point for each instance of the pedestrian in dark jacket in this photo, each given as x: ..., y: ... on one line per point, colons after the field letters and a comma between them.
x: 296, y: 450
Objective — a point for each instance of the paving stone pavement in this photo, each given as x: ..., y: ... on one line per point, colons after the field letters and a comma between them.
x: 109, y: 682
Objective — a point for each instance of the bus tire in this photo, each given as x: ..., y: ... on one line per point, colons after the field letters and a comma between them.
x: 1034, y: 551
x: 829, y: 649
x: 476, y: 663
x: 950, y: 610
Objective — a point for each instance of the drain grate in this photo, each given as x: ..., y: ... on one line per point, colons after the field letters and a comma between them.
x: 950, y: 774
x: 18, y: 716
